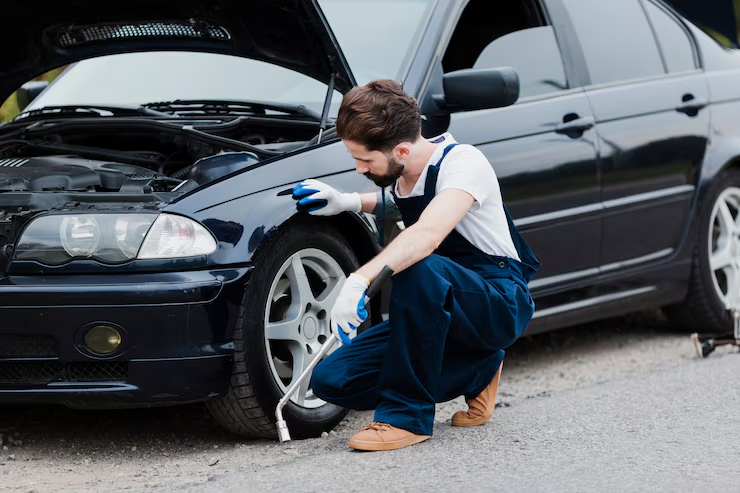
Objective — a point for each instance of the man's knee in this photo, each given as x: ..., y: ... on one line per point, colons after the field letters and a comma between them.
x: 326, y: 380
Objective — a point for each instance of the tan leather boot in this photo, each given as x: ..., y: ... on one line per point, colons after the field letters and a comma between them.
x: 382, y: 436
x: 480, y: 409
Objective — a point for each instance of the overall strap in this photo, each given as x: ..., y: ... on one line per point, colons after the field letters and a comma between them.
x: 444, y: 154
x: 431, y: 182
x: 381, y: 236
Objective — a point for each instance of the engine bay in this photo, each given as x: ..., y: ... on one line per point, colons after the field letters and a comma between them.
x: 140, y: 154
x: 71, y: 173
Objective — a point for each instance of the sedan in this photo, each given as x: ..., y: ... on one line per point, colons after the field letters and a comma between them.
x: 152, y: 254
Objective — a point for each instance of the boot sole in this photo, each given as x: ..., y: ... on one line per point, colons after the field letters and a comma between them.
x: 376, y: 446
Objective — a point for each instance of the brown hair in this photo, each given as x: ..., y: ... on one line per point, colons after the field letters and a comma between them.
x: 379, y: 115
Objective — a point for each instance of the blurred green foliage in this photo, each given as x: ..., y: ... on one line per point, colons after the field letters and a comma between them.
x: 9, y: 109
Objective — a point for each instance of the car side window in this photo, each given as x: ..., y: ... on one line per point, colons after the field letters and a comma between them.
x: 508, y: 33
x: 677, y: 48
x: 534, y: 53
x: 616, y: 39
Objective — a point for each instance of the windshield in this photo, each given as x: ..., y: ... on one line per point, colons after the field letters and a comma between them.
x: 376, y: 37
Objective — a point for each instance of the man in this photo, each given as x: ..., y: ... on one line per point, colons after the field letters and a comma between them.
x: 459, y: 293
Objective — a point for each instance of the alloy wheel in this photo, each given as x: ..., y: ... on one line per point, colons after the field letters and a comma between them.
x: 297, y: 317
x: 724, y: 245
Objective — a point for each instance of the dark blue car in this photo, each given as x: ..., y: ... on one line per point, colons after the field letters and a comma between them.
x: 151, y: 252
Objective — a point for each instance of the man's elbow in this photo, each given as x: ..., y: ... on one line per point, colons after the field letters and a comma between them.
x: 429, y: 240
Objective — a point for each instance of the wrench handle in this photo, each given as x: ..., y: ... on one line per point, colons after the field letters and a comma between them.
x: 377, y: 283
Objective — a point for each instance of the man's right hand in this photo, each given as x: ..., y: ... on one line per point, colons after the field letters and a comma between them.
x: 319, y: 199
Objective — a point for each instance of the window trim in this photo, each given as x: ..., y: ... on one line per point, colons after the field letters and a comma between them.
x: 574, y: 61
x: 696, y: 54
x: 641, y: 80
x: 658, y: 45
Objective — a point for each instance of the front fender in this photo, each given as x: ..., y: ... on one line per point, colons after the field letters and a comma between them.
x: 241, y: 225
x: 244, y: 208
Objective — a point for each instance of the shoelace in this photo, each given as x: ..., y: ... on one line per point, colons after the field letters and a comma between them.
x: 377, y: 426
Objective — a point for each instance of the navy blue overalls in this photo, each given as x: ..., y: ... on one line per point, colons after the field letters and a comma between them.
x: 451, y: 316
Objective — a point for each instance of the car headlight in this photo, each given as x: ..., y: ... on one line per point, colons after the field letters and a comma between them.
x: 80, y: 235
x: 112, y: 238
x: 176, y: 236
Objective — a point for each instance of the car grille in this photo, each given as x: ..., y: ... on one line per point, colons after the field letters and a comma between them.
x: 44, y: 372
x: 97, y: 371
x: 25, y: 345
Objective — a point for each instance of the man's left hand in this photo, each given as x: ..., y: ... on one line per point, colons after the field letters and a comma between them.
x: 349, y: 309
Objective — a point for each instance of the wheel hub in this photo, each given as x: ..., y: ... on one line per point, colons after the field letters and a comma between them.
x: 310, y: 328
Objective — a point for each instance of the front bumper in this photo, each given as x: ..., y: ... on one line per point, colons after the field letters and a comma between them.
x: 176, y: 338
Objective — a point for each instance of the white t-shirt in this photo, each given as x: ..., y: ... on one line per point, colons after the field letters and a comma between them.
x: 466, y: 168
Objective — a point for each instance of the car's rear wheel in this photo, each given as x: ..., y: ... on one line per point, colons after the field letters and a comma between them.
x: 284, y: 319
x: 715, y: 272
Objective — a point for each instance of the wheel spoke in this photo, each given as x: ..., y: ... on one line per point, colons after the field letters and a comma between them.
x: 284, y: 330
x: 722, y: 257
x: 329, y: 295
x: 726, y: 221
x: 301, y: 360
x: 300, y: 288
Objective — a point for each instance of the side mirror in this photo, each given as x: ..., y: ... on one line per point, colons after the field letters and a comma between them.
x: 478, y: 89
x: 28, y: 92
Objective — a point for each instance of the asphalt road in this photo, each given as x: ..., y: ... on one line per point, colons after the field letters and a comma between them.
x: 676, y: 429
x: 619, y: 405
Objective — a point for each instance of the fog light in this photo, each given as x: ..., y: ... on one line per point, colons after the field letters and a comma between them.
x: 102, y: 339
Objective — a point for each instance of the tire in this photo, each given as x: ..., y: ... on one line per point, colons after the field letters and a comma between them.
x: 261, y: 365
x: 703, y: 309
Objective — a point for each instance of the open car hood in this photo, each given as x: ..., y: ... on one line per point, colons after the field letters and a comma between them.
x: 291, y: 33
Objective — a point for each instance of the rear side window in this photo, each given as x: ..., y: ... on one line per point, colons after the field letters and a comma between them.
x: 616, y: 39
x: 675, y: 44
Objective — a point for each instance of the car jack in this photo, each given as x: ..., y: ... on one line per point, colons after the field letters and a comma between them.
x: 706, y: 343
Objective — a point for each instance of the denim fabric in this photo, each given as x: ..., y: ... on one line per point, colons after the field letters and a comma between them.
x: 451, y: 316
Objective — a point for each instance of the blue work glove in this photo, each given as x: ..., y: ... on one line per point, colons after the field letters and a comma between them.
x: 349, y: 309
x: 319, y: 199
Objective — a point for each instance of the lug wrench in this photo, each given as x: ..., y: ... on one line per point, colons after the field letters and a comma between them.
x: 282, y: 426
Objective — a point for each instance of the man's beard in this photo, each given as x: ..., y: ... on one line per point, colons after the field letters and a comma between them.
x: 394, y: 171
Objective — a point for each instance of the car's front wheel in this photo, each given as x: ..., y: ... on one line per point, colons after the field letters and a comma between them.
x: 284, y: 320
x: 715, y: 275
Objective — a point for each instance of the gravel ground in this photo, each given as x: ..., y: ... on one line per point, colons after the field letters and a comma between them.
x: 57, y: 449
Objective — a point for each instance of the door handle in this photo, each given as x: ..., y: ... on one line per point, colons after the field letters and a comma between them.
x: 691, y: 105
x: 579, y: 124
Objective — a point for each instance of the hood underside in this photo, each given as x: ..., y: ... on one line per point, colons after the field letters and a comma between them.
x: 291, y: 33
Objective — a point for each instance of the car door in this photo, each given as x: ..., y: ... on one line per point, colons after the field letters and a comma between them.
x: 543, y: 148
x: 648, y: 96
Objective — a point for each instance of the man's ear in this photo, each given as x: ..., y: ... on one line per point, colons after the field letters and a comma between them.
x: 402, y: 151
